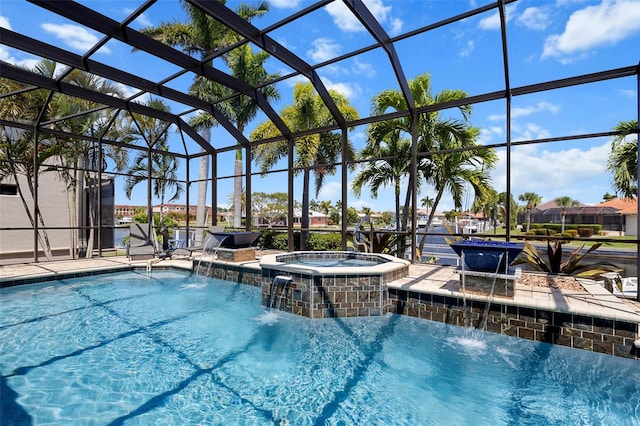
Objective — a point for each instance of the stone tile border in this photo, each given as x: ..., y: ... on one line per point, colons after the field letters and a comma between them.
x: 609, y: 336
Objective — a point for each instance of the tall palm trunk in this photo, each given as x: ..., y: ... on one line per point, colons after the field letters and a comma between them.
x: 432, y: 213
x: 203, y: 176
x: 397, y: 203
x: 304, y: 220
x: 237, y: 191
x: 407, y: 201
x: 91, y: 215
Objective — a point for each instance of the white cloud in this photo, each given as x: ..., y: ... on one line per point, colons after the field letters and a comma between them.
x: 5, y: 56
x: 488, y: 134
x: 349, y: 90
x: 284, y: 4
x: 534, y: 18
x: 490, y: 22
x: 396, y: 26
x: 594, y: 26
x: 518, y: 112
x: 533, y: 109
x: 554, y: 173
x: 363, y: 68
x: 142, y: 20
x: 627, y: 93
x: 4, y: 22
x: 323, y: 49
x: 74, y: 36
x: 466, y: 50
x: 330, y: 190
x: 528, y: 131
x: 346, y: 21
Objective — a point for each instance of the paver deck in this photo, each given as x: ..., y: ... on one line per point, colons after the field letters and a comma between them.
x: 423, y: 278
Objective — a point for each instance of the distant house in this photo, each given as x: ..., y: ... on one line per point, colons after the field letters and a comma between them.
x: 315, y: 218
x: 126, y: 212
x: 617, y: 215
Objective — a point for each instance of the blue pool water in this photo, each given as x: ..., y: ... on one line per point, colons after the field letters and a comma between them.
x: 332, y: 262
x: 172, y: 349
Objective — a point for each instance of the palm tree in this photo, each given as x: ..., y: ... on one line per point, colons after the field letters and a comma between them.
x: 487, y: 204
x: 452, y: 172
x: 532, y: 200
x: 17, y: 148
x: 162, y: 170
x: 316, y: 152
x: 240, y: 109
x: 430, y: 126
x: 427, y: 202
x: 72, y: 158
x: 164, y: 174
x: 502, y: 209
x: 325, y: 208
x: 390, y: 170
x: 16, y: 161
x: 564, y: 203
x: 80, y: 157
x: 623, y: 160
x: 203, y: 35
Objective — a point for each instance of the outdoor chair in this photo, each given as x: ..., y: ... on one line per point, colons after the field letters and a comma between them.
x: 142, y: 242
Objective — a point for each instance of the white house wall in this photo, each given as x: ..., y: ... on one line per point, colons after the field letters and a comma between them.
x: 54, y: 206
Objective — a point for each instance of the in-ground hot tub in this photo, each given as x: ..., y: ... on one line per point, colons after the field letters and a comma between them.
x: 330, y: 284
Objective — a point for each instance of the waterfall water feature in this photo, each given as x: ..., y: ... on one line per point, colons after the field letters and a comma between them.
x: 279, y: 281
x: 210, y: 248
x: 493, y: 285
x: 466, y: 314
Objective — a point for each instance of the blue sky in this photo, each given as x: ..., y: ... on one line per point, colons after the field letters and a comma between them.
x: 548, y: 40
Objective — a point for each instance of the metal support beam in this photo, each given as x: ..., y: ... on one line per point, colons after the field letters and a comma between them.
x: 229, y: 18
x: 372, y: 25
x: 92, y: 19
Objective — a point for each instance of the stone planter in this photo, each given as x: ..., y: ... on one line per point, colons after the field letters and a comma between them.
x: 486, y: 256
x: 484, y: 267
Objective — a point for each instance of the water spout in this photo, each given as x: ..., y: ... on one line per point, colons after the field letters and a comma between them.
x: 284, y: 283
x: 210, y: 247
x: 493, y: 285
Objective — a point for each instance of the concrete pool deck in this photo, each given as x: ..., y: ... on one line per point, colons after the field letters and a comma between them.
x: 422, y: 278
x: 594, y: 320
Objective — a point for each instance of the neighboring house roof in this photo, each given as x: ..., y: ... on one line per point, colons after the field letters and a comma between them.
x: 553, y: 205
x: 312, y: 213
x: 425, y: 211
x: 624, y: 206
x: 614, y: 206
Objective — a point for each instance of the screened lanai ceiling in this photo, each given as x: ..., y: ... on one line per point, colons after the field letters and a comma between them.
x: 148, y: 68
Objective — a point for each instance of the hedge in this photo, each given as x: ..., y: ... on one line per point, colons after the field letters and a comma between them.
x: 557, y: 227
x: 278, y: 240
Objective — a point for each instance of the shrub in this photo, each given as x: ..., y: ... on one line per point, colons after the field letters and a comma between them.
x: 556, y: 263
x: 544, y: 231
x: 324, y: 242
x: 585, y: 232
x: 279, y: 241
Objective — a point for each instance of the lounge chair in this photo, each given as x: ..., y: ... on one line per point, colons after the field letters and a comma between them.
x: 188, y: 251
x: 142, y: 242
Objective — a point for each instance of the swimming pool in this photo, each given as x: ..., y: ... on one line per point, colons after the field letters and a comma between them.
x: 171, y: 348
